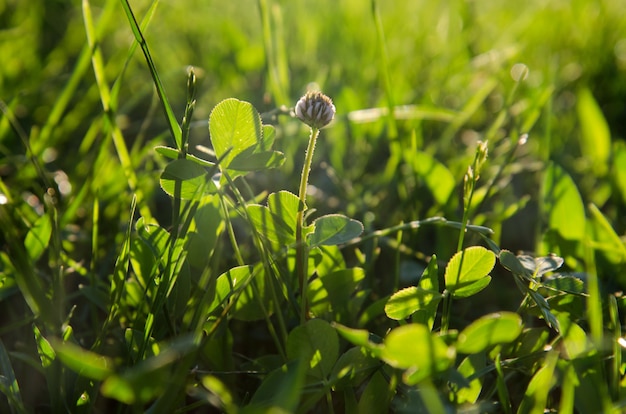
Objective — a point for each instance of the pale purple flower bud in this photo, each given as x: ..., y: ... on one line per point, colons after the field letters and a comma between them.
x: 315, y: 109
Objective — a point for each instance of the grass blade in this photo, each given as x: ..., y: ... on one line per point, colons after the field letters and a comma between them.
x: 109, y: 109
x: 8, y: 382
x: 167, y: 109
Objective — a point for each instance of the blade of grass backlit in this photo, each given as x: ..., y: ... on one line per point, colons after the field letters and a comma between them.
x: 65, y: 97
x: 9, y: 386
x: 594, y: 300
x: 105, y: 98
x: 395, y: 146
x: 616, y: 366
x: 167, y: 109
x: 131, y: 51
x: 384, y: 70
x: 277, y: 68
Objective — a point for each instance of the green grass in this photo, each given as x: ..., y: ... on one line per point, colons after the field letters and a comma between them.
x: 460, y: 246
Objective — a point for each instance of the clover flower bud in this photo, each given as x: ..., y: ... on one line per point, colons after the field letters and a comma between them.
x: 315, y: 109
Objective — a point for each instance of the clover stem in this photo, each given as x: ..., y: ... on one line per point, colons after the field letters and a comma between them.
x: 301, y: 248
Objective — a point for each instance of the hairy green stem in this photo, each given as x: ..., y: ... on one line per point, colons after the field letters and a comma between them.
x: 301, y: 249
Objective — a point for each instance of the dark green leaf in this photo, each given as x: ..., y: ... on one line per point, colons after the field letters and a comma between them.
x: 150, y: 378
x: 544, y: 308
x: 316, y: 343
x: 513, y: 264
x: 280, y: 391
x: 374, y: 398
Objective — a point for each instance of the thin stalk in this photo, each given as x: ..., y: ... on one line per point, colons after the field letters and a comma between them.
x: 471, y: 177
x: 503, y: 394
x: 447, y: 298
x: 412, y: 225
x: 301, y: 250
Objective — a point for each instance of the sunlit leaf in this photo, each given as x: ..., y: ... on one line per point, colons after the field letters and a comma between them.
x: 280, y: 391
x: 473, y: 288
x: 44, y: 349
x: 470, y: 367
x: 487, y: 331
x: 236, y: 126
x: 407, y: 301
x: 334, y: 229
x: 429, y: 281
x: 477, y: 262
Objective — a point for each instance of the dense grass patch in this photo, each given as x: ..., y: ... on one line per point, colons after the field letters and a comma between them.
x: 174, y: 238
